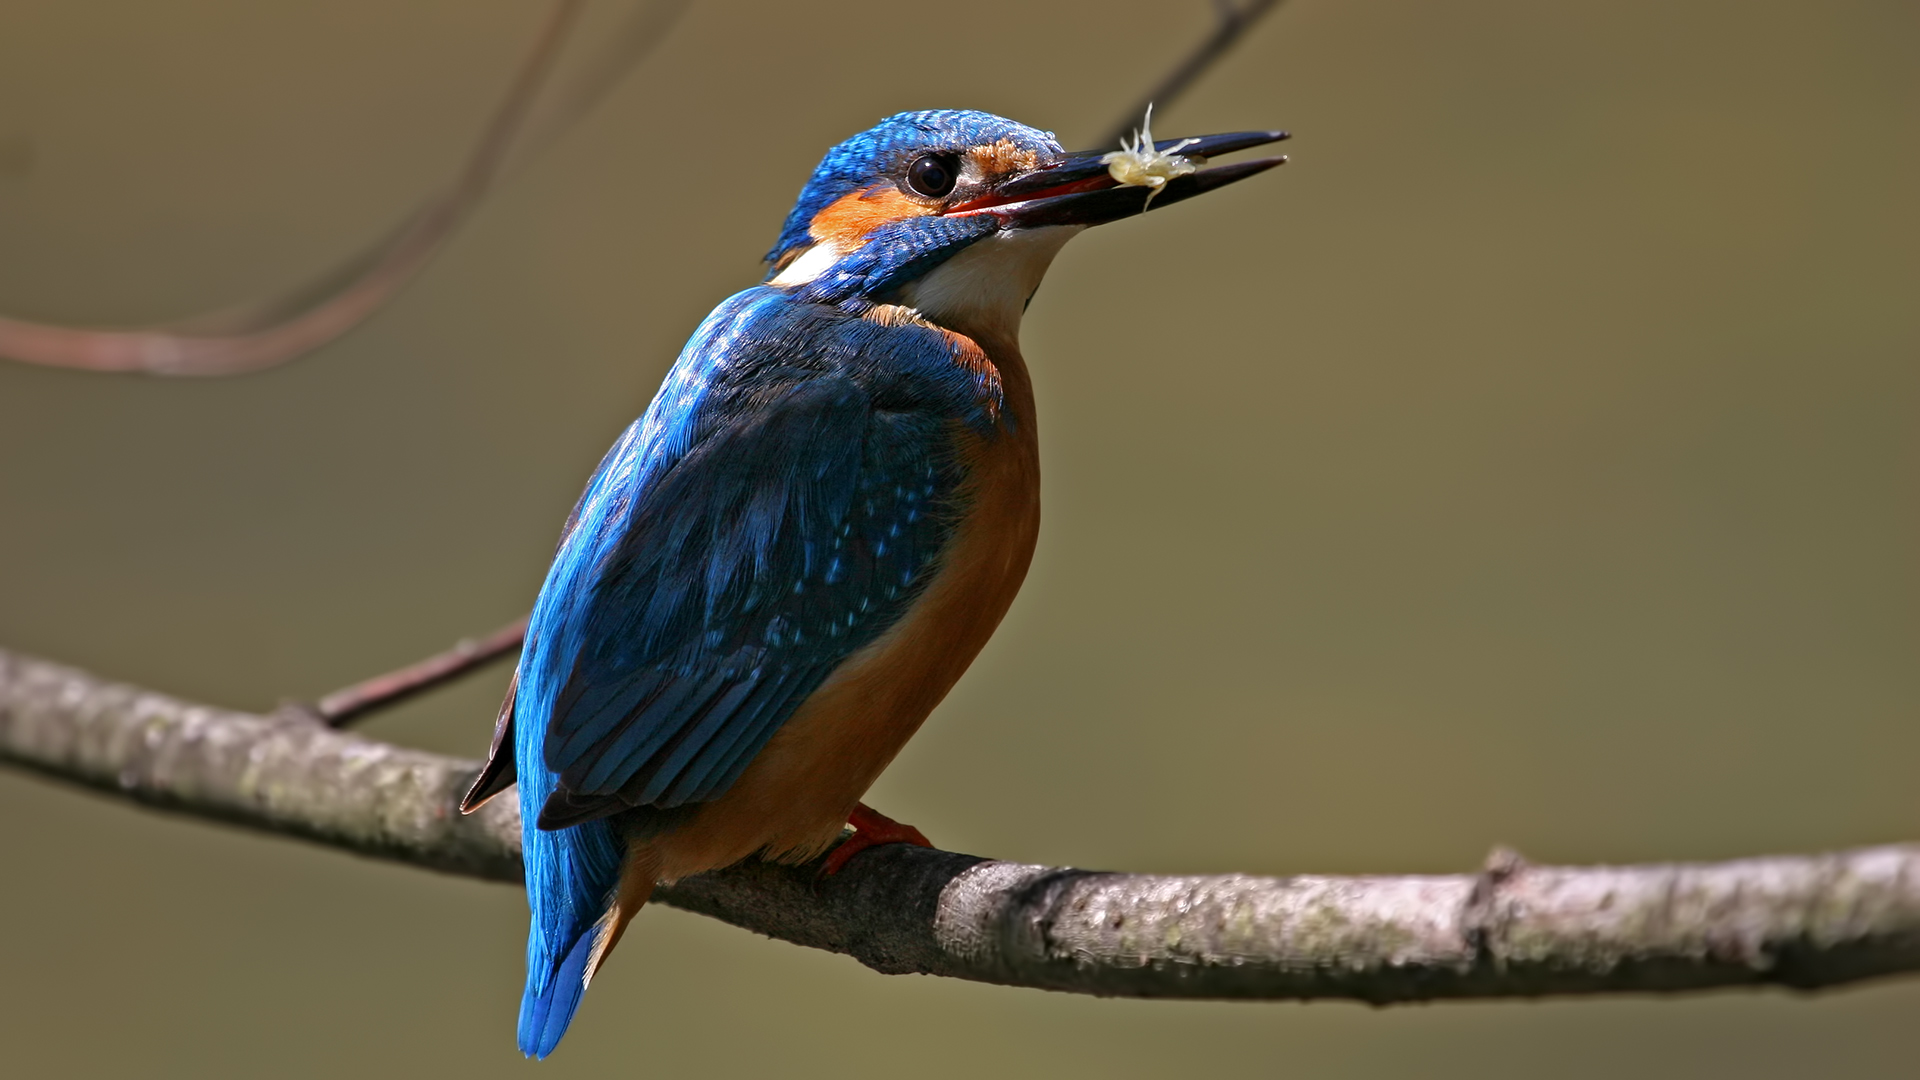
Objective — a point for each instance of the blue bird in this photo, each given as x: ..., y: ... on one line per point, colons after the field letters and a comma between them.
x: 781, y: 568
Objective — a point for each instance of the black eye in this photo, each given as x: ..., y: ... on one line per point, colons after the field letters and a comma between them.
x: 933, y: 175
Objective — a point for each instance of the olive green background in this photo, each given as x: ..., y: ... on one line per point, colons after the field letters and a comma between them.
x: 1532, y: 460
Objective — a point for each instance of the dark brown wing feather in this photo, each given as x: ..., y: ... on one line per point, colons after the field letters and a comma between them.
x: 498, y: 774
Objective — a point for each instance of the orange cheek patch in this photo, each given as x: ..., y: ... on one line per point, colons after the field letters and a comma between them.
x: 847, y: 220
x: 1003, y: 157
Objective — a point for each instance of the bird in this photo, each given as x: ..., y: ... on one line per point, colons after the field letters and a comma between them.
x: 779, y: 570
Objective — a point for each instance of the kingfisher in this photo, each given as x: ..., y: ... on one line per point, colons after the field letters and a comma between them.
x: 781, y: 568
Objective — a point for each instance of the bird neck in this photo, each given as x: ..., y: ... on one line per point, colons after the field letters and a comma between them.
x: 1016, y: 385
x: 993, y: 358
x: 983, y: 290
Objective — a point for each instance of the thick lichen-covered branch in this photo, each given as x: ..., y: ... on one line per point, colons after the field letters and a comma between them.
x: 1509, y: 930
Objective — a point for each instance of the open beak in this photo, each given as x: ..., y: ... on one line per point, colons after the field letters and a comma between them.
x: 1079, y: 189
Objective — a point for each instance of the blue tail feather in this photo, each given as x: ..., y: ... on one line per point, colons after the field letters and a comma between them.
x: 547, y: 1007
x: 571, y: 877
x: 572, y: 874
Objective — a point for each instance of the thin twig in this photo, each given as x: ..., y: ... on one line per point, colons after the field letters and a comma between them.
x: 1512, y: 930
x: 344, y: 706
x: 614, y: 58
x: 1235, y: 20
x: 238, y: 340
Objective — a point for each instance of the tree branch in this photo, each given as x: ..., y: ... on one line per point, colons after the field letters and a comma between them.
x: 1512, y: 930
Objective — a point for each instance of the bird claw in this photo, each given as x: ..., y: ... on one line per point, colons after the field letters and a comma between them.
x: 871, y: 828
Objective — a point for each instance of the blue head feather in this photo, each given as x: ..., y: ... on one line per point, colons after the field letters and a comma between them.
x: 882, y: 152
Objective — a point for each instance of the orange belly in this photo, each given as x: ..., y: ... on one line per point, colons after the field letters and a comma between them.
x: 792, y: 801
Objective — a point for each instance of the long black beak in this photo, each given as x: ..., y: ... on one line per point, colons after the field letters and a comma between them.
x: 1079, y: 189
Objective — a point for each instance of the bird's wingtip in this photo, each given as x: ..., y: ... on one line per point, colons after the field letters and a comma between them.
x: 498, y: 774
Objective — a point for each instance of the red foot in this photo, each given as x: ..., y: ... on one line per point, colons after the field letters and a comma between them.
x: 871, y: 828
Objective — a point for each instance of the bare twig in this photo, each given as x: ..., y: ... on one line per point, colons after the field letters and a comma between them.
x: 614, y: 58
x: 238, y: 340
x: 350, y: 703
x: 1511, y: 930
x: 1235, y: 19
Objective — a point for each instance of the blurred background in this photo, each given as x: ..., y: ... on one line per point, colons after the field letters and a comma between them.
x: 1532, y: 460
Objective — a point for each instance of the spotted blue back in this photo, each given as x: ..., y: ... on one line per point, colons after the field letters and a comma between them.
x: 779, y: 506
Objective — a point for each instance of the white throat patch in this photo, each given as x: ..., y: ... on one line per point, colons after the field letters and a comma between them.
x: 811, y: 264
x: 985, y: 288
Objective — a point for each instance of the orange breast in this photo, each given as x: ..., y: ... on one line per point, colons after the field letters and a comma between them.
x: 792, y: 801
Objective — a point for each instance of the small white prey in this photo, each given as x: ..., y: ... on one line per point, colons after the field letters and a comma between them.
x: 1138, y: 164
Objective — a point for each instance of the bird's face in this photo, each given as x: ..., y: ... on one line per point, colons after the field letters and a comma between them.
x: 958, y: 213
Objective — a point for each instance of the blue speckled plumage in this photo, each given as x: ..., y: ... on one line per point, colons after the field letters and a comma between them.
x: 772, y: 512
x: 739, y: 542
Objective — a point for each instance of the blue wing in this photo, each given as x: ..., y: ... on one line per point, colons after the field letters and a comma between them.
x: 741, y: 542
x: 779, y: 505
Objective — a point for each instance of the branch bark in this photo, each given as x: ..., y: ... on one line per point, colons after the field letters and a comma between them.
x: 1511, y: 930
